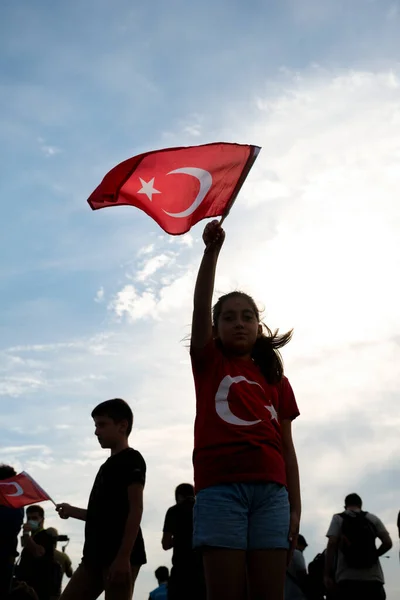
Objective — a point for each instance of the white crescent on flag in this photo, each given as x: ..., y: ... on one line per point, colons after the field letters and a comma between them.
x: 19, y: 489
x: 205, y: 180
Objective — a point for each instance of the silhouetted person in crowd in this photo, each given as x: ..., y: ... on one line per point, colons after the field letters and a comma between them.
x: 352, y: 537
x: 296, y: 574
x: 37, y: 558
x: 186, y: 578
x: 11, y: 520
x: 22, y: 591
x: 161, y: 592
x: 63, y: 561
x: 398, y: 524
x: 114, y: 549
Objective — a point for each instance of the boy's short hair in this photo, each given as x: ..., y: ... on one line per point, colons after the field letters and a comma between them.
x: 184, y: 489
x: 302, y: 540
x: 162, y: 574
x: 116, y: 409
x: 35, y: 508
x: 353, y: 500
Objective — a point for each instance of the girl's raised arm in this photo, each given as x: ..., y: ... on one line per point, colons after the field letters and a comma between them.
x: 213, y: 238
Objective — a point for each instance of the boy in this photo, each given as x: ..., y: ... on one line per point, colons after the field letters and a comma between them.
x: 114, y: 549
x: 161, y: 592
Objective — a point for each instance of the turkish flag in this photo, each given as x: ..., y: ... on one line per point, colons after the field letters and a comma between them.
x: 21, y: 490
x: 178, y: 187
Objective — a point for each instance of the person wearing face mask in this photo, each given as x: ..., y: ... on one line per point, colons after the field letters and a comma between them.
x: 37, y: 557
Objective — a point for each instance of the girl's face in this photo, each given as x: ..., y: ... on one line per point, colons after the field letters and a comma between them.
x: 238, y: 326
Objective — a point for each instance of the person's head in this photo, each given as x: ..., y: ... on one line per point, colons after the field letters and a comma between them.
x: 184, y: 491
x: 22, y: 591
x: 353, y: 501
x: 6, y: 472
x: 238, y: 329
x: 301, y: 543
x: 162, y: 574
x: 35, y: 516
x: 113, y: 420
x: 52, y: 531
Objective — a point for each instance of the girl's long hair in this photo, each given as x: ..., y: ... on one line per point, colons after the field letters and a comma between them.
x: 265, y: 352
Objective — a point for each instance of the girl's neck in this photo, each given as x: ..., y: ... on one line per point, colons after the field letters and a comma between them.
x: 246, y: 357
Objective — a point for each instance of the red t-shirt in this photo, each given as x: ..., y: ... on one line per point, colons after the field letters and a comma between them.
x: 237, y: 428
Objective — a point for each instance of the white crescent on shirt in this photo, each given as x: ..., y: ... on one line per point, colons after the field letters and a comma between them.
x: 222, y: 404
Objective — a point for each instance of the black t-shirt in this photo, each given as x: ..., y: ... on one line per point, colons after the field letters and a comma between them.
x: 108, y: 509
x: 179, y: 522
x: 37, y: 571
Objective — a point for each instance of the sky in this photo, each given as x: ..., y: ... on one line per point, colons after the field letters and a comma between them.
x: 96, y: 305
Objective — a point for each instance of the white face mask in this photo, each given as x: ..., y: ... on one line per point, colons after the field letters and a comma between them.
x: 34, y: 525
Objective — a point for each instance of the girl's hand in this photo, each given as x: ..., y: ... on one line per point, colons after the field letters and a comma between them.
x: 293, y: 533
x: 213, y: 235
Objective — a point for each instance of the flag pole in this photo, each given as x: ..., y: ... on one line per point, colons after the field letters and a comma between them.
x: 250, y: 162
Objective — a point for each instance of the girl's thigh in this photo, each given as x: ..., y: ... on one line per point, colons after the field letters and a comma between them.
x: 268, y: 542
x: 225, y: 573
x: 266, y: 573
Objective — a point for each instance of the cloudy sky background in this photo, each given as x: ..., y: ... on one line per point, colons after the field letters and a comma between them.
x: 95, y: 305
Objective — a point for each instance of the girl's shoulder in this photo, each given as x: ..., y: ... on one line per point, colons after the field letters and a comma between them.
x: 206, y: 356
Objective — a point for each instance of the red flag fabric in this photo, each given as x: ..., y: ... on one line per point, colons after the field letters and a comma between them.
x: 178, y: 187
x: 21, y: 490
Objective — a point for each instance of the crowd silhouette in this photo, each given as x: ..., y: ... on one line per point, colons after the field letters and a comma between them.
x: 352, y: 571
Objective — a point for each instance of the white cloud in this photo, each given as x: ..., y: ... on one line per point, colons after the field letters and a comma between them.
x: 185, y: 240
x: 16, y: 385
x: 137, y: 306
x: 331, y: 141
x: 153, y: 264
x: 7, y: 450
x: 99, y: 295
x: 94, y: 343
x: 146, y: 249
x: 194, y: 130
x: 47, y: 149
x: 150, y: 304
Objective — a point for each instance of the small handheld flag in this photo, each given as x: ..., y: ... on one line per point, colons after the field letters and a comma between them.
x: 21, y: 490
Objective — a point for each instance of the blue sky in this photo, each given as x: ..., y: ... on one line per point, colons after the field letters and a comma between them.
x: 96, y: 304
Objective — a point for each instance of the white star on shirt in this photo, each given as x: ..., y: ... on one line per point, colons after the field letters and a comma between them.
x: 274, y: 414
x: 148, y: 188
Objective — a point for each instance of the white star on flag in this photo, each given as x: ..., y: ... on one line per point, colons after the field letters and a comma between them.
x: 274, y: 414
x: 148, y: 188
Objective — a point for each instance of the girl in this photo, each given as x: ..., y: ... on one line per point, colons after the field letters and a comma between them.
x: 247, y: 509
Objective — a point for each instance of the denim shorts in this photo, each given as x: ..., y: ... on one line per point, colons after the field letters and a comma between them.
x: 242, y: 516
